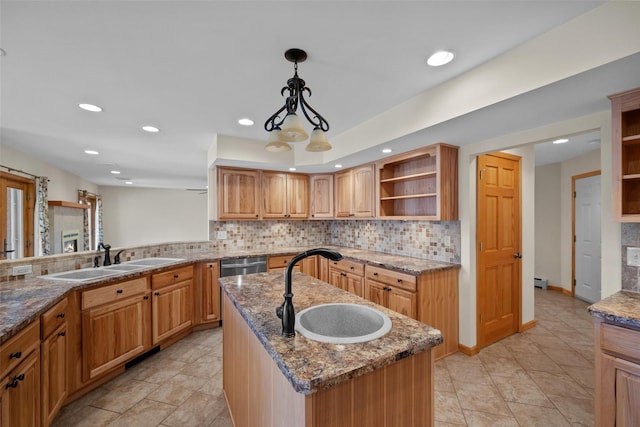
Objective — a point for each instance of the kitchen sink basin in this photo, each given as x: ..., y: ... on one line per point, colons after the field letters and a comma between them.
x: 153, y: 261
x: 123, y: 267
x: 340, y: 323
x: 81, y: 275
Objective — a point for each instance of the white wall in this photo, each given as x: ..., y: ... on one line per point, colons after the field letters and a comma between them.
x: 547, y: 222
x: 140, y: 216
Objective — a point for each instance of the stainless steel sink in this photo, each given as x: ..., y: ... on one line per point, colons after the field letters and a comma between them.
x: 340, y: 323
x: 153, y: 261
x: 81, y: 275
x: 124, y: 267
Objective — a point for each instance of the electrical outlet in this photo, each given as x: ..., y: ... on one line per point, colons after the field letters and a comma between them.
x: 22, y: 269
x: 633, y: 257
x: 221, y: 235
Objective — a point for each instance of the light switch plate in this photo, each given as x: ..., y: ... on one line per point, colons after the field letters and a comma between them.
x: 633, y: 257
x: 22, y: 269
x: 221, y: 235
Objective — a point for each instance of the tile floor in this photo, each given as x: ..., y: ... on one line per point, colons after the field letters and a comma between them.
x: 542, y: 377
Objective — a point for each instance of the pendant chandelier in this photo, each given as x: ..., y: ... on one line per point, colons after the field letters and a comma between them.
x: 283, y: 130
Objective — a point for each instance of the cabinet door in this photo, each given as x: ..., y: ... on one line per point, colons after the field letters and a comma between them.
x: 376, y: 292
x: 297, y: 196
x: 627, y: 393
x: 362, y: 193
x: 353, y: 284
x: 172, y: 310
x: 343, y: 189
x: 322, y: 196
x: 274, y: 195
x: 310, y: 266
x: 238, y: 194
x: 54, y: 373
x: 21, y: 394
x: 403, y: 302
x: 211, y: 293
x: 114, y: 333
x: 335, y: 277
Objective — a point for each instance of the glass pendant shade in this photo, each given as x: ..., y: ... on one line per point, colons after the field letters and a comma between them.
x: 292, y: 130
x: 276, y: 144
x: 318, y: 141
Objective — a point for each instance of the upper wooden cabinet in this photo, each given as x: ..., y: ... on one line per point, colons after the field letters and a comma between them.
x: 322, y: 196
x: 285, y: 195
x: 238, y: 193
x: 625, y: 125
x: 354, y: 192
x: 420, y: 184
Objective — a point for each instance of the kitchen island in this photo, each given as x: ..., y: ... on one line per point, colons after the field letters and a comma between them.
x: 269, y: 380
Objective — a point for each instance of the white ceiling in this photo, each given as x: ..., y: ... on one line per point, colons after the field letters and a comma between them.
x: 193, y: 68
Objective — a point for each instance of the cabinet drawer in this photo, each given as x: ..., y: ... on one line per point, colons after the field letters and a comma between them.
x: 349, y: 266
x: 53, y: 318
x: 621, y: 341
x: 172, y: 276
x: 392, y: 278
x: 278, y: 261
x: 107, y: 294
x: 19, y: 347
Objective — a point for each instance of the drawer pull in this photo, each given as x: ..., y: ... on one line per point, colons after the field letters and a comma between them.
x: 157, y: 294
x: 60, y: 315
x: 145, y: 297
x: 14, y: 382
x: 399, y: 280
x: 119, y: 291
x: 343, y: 274
x: 62, y: 334
x: 175, y: 276
x: 352, y: 267
x: 285, y: 261
x: 375, y: 274
x: 17, y: 355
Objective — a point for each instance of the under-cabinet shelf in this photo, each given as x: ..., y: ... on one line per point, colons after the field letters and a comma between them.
x: 412, y: 177
x: 409, y: 196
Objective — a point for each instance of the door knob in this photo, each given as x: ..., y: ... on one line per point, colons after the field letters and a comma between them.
x: 517, y: 255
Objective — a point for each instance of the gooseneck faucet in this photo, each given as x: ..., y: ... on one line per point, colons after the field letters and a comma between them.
x: 107, y: 256
x: 286, y: 311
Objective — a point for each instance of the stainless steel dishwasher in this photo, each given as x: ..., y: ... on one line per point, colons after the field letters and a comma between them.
x: 240, y: 266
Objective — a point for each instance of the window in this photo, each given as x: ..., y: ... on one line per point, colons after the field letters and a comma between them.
x: 17, y: 202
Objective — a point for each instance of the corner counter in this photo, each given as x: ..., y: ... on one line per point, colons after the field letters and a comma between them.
x: 270, y: 380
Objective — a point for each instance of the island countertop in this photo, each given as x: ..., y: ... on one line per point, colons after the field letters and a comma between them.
x: 310, y: 365
x: 622, y: 307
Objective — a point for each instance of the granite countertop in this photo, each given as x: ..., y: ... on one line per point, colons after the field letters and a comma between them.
x: 622, y: 307
x: 310, y: 365
x: 22, y: 301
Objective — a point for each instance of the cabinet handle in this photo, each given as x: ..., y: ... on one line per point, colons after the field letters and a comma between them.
x: 352, y: 267
x: 145, y: 297
x: 375, y: 274
x: 157, y: 294
x: 343, y: 274
x: 352, y: 214
x: 62, y: 334
x: 175, y: 276
x: 119, y: 291
x: 60, y: 315
x: 17, y: 355
x: 399, y: 280
x: 285, y: 261
x: 14, y: 382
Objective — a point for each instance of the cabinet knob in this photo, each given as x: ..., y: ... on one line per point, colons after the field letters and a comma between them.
x: 157, y: 294
x: 352, y: 267
x: 62, y: 334
x: 343, y: 274
x: 119, y: 291
x: 375, y: 274
x: 16, y: 355
x: 60, y: 315
x: 399, y: 280
x: 175, y: 276
x: 145, y: 297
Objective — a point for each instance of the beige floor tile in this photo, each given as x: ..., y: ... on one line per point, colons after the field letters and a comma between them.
x: 145, y: 413
x: 481, y: 397
x: 584, y: 377
x: 537, y: 416
x: 482, y: 419
x: 579, y: 411
x: 521, y: 390
x: 199, y: 410
x: 537, y: 362
x: 124, y: 397
x: 448, y: 408
x: 203, y: 370
x: 503, y: 366
x: 86, y: 416
x: 172, y: 394
x: 567, y: 357
x: 442, y: 379
x: 558, y: 384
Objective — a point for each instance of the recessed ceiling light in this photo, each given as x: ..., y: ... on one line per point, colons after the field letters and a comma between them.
x: 150, y: 129
x: 292, y: 169
x: 245, y: 122
x: 338, y: 166
x: 439, y: 58
x: 129, y: 182
x: 115, y: 172
x: 90, y: 107
x: 560, y: 141
x: 92, y: 152
x: 387, y: 150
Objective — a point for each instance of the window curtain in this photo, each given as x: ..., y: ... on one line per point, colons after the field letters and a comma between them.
x: 82, y: 199
x: 42, y: 214
x: 99, y: 219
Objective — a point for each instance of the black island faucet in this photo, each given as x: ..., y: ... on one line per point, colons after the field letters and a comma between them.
x: 286, y: 311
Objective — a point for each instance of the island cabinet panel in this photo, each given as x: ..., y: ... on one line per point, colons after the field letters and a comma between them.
x: 258, y: 393
x: 321, y: 196
x: 238, y: 193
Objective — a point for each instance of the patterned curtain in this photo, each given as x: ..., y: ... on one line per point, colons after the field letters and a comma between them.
x: 82, y: 199
x: 42, y: 209
x: 99, y: 218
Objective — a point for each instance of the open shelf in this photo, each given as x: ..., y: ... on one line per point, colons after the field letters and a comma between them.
x: 410, y: 196
x: 408, y: 177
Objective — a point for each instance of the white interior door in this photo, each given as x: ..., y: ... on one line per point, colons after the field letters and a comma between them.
x: 587, y: 238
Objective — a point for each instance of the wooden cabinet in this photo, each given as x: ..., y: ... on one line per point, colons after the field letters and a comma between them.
x: 391, y: 289
x: 285, y: 195
x: 354, y: 192
x: 308, y: 266
x: 172, y: 303
x: 20, y: 375
x: 54, y: 354
x: 625, y: 125
x: 321, y: 196
x: 420, y: 184
x: 115, y: 327
x: 238, y: 193
x: 617, y: 388
x: 210, y: 292
x: 348, y: 276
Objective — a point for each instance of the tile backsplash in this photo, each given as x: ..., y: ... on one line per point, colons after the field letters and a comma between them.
x: 630, y: 274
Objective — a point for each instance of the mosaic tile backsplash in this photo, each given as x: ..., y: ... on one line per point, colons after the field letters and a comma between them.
x: 630, y: 274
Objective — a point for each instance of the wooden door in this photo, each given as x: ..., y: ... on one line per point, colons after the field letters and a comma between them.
x: 17, y: 204
x: 54, y: 373
x: 498, y: 247
x: 353, y: 284
x: 322, y: 196
x: 335, y: 277
x: 238, y: 194
x: 297, y: 196
x: 172, y: 310
x: 363, y: 206
x: 21, y: 394
x: 211, y: 292
x: 376, y: 292
x: 274, y: 195
x: 627, y: 393
x: 403, y: 302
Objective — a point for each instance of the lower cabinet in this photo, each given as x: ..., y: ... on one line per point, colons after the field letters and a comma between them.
x: 348, y: 276
x: 617, y: 386
x: 210, y: 273
x: 393, y: 290
x: 20, y: 394
x: 308, y: 266
x: 172, y: 308
x: 54, y: 355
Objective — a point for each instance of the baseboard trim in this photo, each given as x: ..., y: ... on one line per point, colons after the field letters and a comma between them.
x: 559, y: 289
x: 527, y: 326
x: 469, y: 351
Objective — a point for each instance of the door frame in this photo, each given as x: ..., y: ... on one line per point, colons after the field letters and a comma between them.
x: 28, y: 186
x: 574, y: 178
x: 518, y: 291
